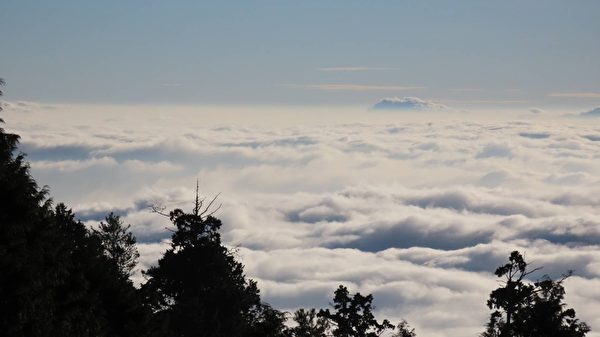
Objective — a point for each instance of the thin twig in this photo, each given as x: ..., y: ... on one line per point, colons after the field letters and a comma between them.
x: 210, y: 204
x: 159, y: 210
x: 213, y: 212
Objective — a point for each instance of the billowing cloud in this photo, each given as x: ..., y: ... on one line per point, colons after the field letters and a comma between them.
x: 415, y: 211
x: 407, y: 104
x: 495, y: 150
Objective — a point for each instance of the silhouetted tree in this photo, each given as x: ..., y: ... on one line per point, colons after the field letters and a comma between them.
x: 530, y: 309
x: 198, y: 288
x: 353, y: 316
x: 24, y: 279
x: 54, y: 277
x: 404, y: 330
x: 93, y: 299
x: 309, y: 324
x: 119, y: 243
x: 267, y: 322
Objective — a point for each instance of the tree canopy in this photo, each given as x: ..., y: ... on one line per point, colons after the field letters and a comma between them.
x: 522, y: 308
x: 54, y: 278
x: 198, y: 288
x: 118, y: 243
x: 310, y: 324
x: 353, y: 315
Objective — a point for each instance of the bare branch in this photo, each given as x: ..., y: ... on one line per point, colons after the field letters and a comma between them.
x: 213, y: 212
x: 160, y: 210
x: 526, y: 273
x: 210, y: 204
x: 565, y: 276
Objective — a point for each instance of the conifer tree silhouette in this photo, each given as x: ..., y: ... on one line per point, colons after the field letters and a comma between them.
x: 54, y: 277
x: 199, y: 289
x: 118, y: 243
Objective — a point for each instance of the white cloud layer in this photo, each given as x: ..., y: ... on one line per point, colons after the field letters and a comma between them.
x: 418, y: 212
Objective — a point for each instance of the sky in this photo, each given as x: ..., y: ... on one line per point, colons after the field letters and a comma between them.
x: 279, y: 52
x: 402, y: 148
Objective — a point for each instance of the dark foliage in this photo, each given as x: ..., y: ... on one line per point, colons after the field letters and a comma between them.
x: 530, y: 309
x: 267, y: 322
x: 404, y: 330
x: 353, y: 315
x: 54, y: 279
x: 118, y: 243
x: 199, y: 289
x: 309, y: 324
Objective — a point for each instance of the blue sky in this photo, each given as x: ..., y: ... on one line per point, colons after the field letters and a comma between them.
x: 338, y: 52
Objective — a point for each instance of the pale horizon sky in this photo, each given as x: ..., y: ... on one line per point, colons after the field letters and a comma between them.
x: 467, y: 53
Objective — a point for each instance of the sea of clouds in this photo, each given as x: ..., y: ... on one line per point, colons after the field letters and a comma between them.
x: 417, y: 211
